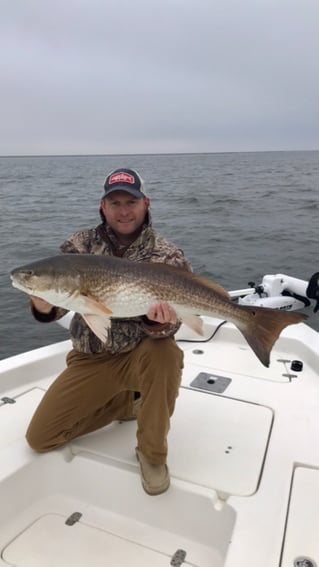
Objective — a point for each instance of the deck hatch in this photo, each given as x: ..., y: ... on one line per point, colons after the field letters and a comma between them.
x: 226, y: 438
x: 301, y: 544
x: 49, y: 542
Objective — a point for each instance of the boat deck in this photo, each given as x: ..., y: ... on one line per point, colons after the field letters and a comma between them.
x: 243, y: 458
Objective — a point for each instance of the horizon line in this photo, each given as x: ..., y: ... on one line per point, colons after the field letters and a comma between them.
x: 153, y: 153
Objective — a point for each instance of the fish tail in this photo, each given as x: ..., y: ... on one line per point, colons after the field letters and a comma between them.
x: 263, y: 328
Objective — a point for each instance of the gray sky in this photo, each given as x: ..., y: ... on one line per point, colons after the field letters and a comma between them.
x: 144, y: 76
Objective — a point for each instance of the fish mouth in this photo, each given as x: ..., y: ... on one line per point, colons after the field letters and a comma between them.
x: 20, y: 283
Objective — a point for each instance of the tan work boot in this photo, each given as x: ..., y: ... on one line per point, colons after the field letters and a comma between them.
x: 155, y: 478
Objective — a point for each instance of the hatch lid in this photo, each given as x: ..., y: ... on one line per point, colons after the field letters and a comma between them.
x: 301, y: 545
x: 215, y: 442
x: 51, y: 542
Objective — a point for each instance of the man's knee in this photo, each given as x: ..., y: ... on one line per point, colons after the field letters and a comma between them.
x: 37, y: 440
x: 35, y: 443
x: 164, y: 352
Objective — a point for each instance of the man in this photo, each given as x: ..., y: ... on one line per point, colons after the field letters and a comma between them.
x: 137, y: 373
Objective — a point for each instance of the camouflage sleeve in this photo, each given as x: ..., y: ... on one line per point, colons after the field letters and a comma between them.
x: 178, y: 260
x: 167, y: 253
x: 78, y: 243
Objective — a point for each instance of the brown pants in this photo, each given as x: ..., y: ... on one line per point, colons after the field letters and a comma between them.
x: 96, y: 389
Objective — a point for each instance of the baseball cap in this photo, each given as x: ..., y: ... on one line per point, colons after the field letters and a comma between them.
x: 124, y: 180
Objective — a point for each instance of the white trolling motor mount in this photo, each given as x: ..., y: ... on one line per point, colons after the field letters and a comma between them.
x: 280, y: 291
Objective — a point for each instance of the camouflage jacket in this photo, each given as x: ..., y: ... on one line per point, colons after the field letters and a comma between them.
x: 124, y: 334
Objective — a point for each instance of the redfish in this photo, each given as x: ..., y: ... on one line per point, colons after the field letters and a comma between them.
x: 104, y: 287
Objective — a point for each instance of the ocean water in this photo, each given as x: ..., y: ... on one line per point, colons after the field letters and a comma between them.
x: 237, y: 216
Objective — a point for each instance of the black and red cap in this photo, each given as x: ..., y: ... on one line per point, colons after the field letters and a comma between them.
x: 124, y: 180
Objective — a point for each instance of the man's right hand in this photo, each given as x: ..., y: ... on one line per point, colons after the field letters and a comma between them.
x: 40, y: 304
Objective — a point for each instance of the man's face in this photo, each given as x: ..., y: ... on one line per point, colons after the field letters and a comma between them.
x: 124, y: 214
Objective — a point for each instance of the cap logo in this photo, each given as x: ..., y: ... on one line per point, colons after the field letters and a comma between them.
x: 121, y: 177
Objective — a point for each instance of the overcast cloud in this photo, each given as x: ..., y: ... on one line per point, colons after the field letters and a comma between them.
x: 144, y: 76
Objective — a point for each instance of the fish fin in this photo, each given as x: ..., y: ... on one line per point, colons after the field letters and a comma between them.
x: 99, y: 325
x: 94, y: 305
x: 194, y: 322
x: 215, y: 287
x: 265, y: 327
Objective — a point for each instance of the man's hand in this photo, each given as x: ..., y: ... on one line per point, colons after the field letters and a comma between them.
x: 40, y: 304
x: 162, y: 313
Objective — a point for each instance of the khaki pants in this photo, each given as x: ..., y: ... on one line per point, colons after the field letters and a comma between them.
x: 99, y: 388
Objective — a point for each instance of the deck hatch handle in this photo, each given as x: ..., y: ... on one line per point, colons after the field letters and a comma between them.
x: 178, y: 558
x: 290, y: 376
x: 304, y: 561
x: 6, y: 400
x: 75, y: 517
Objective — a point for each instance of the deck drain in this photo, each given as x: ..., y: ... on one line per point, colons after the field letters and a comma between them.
x: 303, y: 561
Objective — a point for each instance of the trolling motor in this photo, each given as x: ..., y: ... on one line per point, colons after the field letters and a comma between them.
x: 313, y: 290
x: 281, y: 292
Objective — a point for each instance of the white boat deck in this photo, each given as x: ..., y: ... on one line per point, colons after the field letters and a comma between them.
x: 244, y: 464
